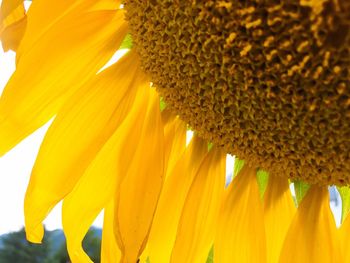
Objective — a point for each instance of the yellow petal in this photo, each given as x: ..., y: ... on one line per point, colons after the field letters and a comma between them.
x: 12, y: 35
x: 240, y: 235
x: 344, y: 238
x: 196, y: 230
x: 8, y: 8
x: 13, y: 22
x: 71, y: 52
x: 174, y: 139
x: 110, y: 251
x: 144, y: 256
x: 277, y: 201
x: 43, y: 15
x: 98, y: 184
x: 137, y: 197
x: 311, y: 237
x: 177, y: 184
x: 86, y: 121
x: 11, y: 12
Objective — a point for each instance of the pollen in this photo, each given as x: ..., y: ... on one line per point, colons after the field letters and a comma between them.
x: 269, y: 81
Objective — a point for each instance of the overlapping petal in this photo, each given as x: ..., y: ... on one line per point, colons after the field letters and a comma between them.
x: 97, y: 186
x: 138, y: 193
x: 196, y: 230
x: 240, y: 233
x: 86, y: 121
x: 279, y: 210
x: 344, y: 238
x: 174, y: 138
x: 43, y: 16
x: 312, y: 236
x: 110, y: 251
x: 8, y: 8
x: 69, y: 53
x: 176, y: 187
x: 13, y: 22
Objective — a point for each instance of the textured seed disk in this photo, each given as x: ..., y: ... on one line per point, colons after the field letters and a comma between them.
x: 267, y: 80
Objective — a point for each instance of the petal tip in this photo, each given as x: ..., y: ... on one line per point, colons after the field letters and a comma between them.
x: 35, y: 235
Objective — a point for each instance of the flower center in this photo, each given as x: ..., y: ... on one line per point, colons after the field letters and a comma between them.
x: 267, y: 80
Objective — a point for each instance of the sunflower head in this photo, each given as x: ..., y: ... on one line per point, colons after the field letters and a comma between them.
x: 267, y: 80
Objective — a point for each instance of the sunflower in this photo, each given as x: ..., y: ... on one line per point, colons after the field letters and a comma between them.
x: 266, y: 81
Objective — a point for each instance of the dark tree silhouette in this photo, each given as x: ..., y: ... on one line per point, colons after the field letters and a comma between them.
x: 15, y: 248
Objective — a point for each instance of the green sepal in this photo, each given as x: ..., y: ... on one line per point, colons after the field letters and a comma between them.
x: 210, y: 258
x: 262, y: 178
x: 127, y: 42
x: 162, y: 104
x: 344, y: 192
x: 300, y: 189
x: 238, y: 164
x: 210, y: 145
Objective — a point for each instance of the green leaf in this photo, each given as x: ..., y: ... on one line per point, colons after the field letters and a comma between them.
x: 344, y: 192
x: 162, y: 104
x: 210, y: 258
x: 127, y: 42
x: 238, y: 164
x: 300, y: 189
x: 262, y: 177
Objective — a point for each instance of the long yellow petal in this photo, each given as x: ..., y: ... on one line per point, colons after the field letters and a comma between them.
x: 70, y: 53
x: 174, y: 192
x: 279, y: 210
x: 110, y: 251
x: 168, y: 119
x: 86, y: 121
x: 137, y: 197
x: 8, y: 8
x: 240, y: 235
x: 13, y: 22
x: 98, y: 184
x: 196, y: 230
x: 174, y: 139
x: 344, y: 239
x: 12, y: 35
x: 11, y: 11
x: 43, y: 15
x: 311, y: 237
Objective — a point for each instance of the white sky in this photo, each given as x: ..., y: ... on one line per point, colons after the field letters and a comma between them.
x: 15, y: 168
